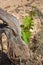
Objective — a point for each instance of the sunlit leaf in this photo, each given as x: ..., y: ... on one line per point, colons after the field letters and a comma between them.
x: 27, y: 25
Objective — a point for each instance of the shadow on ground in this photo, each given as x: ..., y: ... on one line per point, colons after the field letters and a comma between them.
x: 4, y: 59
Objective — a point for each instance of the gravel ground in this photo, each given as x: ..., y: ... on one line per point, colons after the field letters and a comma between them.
x: 21, y: 8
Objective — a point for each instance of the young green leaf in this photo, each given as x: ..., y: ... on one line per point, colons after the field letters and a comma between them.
x: 27, y: 25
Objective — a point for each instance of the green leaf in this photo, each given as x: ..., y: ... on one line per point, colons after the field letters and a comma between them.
x: 27, y: 21
x: 27, y: 25
x: 24, y: 37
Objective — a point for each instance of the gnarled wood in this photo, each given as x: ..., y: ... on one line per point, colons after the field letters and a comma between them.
x: 10, y: 20
x: 16, y: 48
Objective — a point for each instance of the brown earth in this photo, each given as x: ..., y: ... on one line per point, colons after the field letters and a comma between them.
x: 20, y: 8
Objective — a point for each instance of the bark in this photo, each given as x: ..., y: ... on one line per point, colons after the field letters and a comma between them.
x: 17, y: 50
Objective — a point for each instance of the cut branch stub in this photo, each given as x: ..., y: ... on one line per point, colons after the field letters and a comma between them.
x: 10, y: 20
